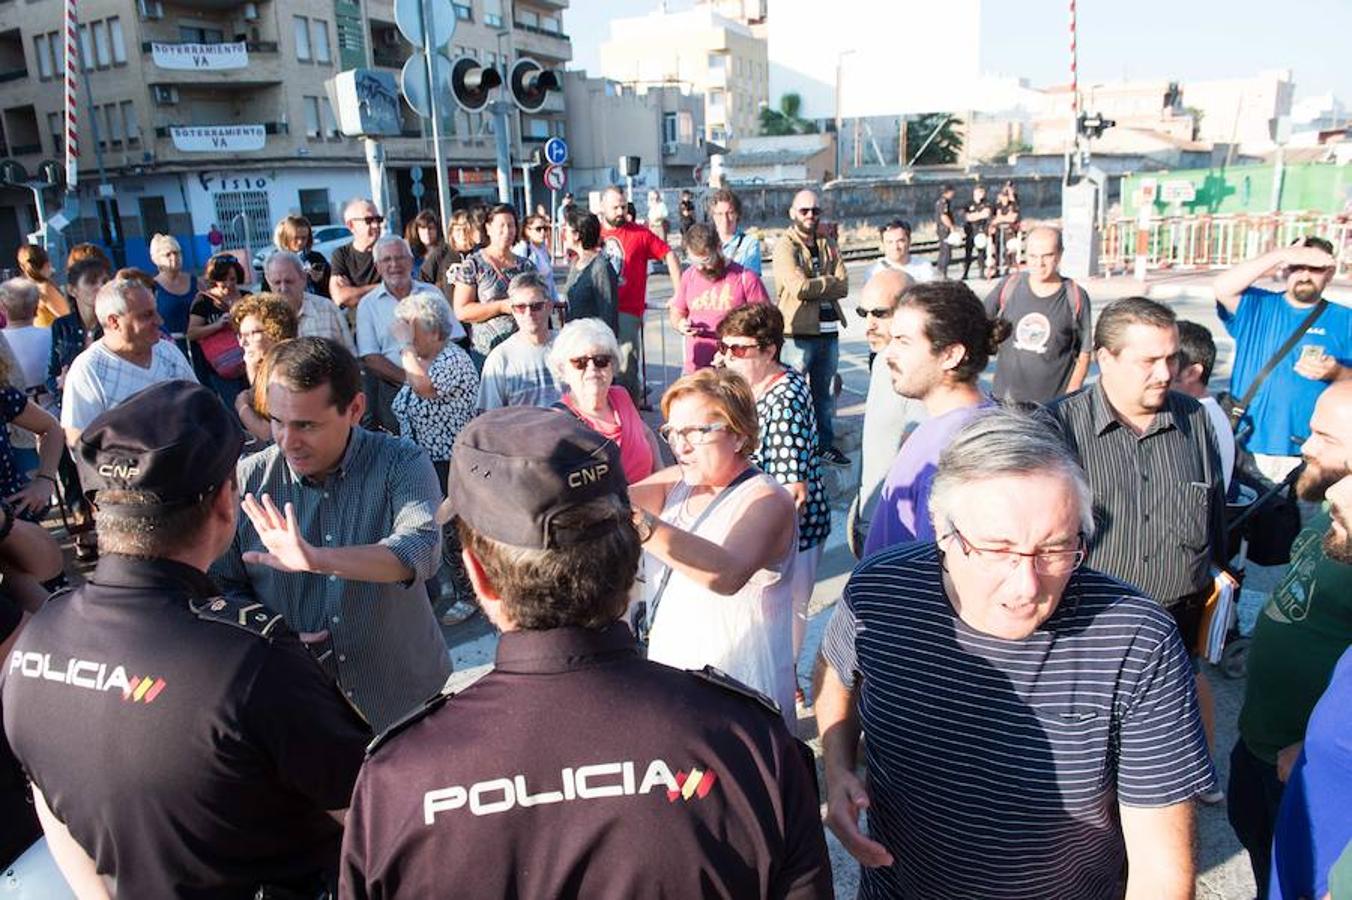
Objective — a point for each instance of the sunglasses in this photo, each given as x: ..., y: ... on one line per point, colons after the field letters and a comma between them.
x: 873, y: 313
x: 740, y: 351
x: 809, y: 210
x: 370, y: 220
x: 600, y: 360
x: 528, y: 307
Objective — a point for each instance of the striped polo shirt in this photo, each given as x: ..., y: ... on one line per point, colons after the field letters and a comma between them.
x: 995, y: 766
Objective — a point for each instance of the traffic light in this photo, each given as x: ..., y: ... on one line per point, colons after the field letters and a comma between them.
x: 1092, y: 125
x: 530, y: 84
x: 629, y: 166
x: 471, y: 83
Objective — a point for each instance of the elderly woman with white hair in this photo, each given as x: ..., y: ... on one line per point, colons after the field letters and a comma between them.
x: 583, y: 358
x: 175, y: 290
x: 441, y: 383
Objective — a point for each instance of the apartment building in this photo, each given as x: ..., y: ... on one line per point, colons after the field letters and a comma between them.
x: 196, y: 113
x: 704, y: 52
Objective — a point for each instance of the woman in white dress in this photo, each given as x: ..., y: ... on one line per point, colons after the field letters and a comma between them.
x: 720, y: 538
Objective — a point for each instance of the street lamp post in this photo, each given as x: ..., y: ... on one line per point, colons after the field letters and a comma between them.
x: 840, y: 58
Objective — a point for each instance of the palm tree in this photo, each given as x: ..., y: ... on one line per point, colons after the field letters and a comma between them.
x: 786, y: 119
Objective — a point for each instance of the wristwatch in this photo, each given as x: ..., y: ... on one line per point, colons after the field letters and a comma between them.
x: 644, y: 524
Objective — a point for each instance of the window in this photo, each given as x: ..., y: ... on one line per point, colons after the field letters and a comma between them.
x: 319, y: 40
x: 493, y: 13
x: 528, y: 18
x: 200, y: 35
x: 463, y: 12
x: 669, y: 128
x: 57, y: 131
x: 86, y: 49
x: 113, y: 117
x: 302, y: 28
x: 312, y: 126
x: 130, y: 122
x: 103, y: 52
x: 119, y: 43
x: 551, y: 24
x: 42, y: 52
x: 330, y: 123
x: 154, y: 215
x: 314, y: 205
x: 535, y: 128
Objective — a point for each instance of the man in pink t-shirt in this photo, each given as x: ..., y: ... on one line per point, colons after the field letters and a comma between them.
x: 630, y: 248
x: 709, y: 290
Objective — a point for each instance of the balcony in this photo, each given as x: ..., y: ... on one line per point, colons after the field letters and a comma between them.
x: 537, y: 43
x: 682, y: 153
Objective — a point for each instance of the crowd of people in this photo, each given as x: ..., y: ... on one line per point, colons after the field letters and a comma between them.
x: 290, y: 491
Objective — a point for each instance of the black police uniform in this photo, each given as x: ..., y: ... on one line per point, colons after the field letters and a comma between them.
x: 189, y: 743
x: 19, y: 828
x: 577, y: 769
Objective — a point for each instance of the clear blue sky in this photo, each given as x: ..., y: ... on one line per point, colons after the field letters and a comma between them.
x: 1177, y: 39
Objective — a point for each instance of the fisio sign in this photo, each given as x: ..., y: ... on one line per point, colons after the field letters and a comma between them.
x: 592, y: 782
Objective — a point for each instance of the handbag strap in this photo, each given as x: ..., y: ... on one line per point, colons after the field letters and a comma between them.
x: 746, y: 474
x: 1287, y: 346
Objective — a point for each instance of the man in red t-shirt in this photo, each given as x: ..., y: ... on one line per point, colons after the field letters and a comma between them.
x: 630, y: 248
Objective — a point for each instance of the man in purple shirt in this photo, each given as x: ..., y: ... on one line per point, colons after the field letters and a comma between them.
x: 941, y: 342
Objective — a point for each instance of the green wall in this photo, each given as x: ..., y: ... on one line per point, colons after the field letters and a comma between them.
x: 1317, y: 187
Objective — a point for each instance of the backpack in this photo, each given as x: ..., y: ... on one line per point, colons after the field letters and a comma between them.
x: 1007, y: 286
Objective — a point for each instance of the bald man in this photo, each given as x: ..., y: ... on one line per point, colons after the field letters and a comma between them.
x: 887, y: 414
x: 1047, y: 354
x: 810, y: 281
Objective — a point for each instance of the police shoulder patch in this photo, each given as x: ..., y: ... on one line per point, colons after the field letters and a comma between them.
x: 252, y: 617
x: 728, y: 683
x: 454, y: 685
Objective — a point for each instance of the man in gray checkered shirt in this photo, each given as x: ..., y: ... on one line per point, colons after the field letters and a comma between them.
x: 339, y: 535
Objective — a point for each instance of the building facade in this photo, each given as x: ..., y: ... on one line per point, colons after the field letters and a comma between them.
x: 194, y: 113
x: 701, y: 51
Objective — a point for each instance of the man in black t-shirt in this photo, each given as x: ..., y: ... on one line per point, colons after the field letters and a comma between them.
x: 944, y: 225
x: 354, y: 265
x: 178, y: 743
x: 976, y: 217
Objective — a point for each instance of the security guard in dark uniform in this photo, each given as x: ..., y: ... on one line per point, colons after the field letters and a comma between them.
x: 575, y: 768
x: 187, y: 744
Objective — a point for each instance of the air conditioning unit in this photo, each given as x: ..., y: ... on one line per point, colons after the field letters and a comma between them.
x: 164, y: 94
x: 251, y: 12
x: 151, y: 9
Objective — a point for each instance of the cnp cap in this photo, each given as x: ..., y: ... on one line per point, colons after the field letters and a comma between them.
x: 514, y: 470
x: 174, y: 439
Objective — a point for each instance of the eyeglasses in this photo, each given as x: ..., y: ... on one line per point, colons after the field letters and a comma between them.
x: 600, y: 360
x: 695, y: 435
x: 873, y: 313
x: 809, y: 210
x: 1003, y: 562
x: 245, y: 336
x: 528, y: 307
x: 370, y: 220
x: 741, y: 351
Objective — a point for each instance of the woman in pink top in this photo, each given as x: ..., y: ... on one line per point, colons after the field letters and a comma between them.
x: 710, y: 289
x: 583, y: 358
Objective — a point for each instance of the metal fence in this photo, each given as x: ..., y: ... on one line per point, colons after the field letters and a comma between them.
x: 1184, y: 243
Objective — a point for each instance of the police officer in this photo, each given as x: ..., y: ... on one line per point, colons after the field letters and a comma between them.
x: 178, y: 744
x: 575, y: 768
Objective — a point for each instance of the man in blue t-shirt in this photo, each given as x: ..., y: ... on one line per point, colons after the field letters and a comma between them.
x: 1278, y: 418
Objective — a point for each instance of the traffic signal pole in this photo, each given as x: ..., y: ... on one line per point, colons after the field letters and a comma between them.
x: 438, y: 154
x: 502, y: 141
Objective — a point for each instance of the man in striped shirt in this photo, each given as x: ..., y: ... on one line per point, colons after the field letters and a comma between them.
x: 1031, y: 724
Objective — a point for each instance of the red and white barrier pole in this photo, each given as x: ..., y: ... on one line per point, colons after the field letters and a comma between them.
x: 72, y: 76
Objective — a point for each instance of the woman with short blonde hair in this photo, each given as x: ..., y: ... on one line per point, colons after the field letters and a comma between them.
x: 175, y: 289
x: 720, y: 537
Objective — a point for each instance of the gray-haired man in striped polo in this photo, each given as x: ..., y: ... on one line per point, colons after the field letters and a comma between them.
x: 1032, y: 724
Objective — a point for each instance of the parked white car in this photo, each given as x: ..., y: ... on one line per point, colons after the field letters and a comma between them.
x: 327, y: 239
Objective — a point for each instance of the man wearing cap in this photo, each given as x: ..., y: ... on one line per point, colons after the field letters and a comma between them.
x: 341, y: 535
x: 179, y: 744
x: 576, y: 768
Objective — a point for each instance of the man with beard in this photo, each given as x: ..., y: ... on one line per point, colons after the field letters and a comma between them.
x: 1260, y: 322
x: 630, y: 247
x: 1314, y: 825
x: 941, y: 342
x: 710, y: 289
x: 1304, y: 628
x: 810, y: 281
x: 1152, y: 462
